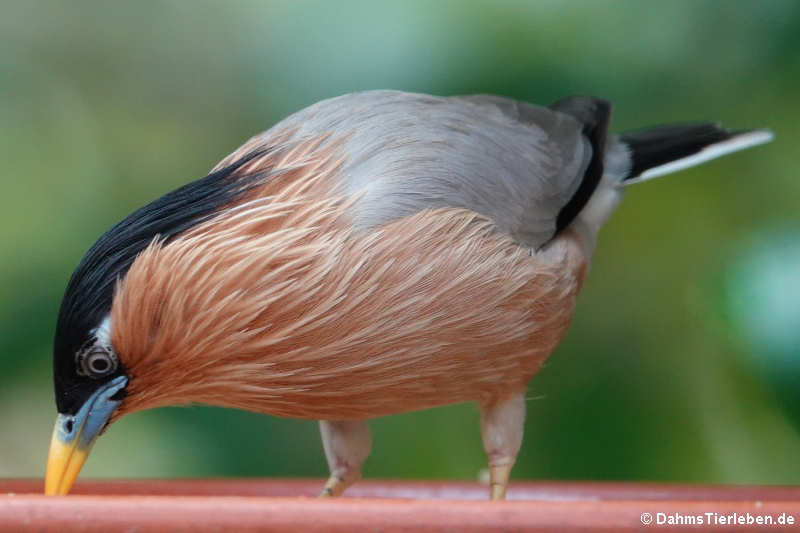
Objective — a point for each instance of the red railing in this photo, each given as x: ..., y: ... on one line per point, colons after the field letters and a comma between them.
x: 394, y: 506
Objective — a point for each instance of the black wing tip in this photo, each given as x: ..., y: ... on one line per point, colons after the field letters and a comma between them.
x: 585, y: 109
x: 595, y: 115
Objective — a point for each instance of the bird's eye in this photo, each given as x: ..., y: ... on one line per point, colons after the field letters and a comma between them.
x: 97, y: 362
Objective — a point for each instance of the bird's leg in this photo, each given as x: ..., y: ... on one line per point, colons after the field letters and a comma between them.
x: 347, y: 444
x: 502, y: 426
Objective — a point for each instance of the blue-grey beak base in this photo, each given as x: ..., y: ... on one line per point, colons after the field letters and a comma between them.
x: 74, y: 435
x: 90, y: 419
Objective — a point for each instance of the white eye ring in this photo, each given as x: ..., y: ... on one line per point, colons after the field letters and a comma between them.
x: 97, y: 362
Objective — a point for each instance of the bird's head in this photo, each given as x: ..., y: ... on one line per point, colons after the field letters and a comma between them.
x: 90, y: 384
x: 92, y: 377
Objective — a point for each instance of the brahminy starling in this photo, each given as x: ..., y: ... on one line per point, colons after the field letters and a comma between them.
x: 376, y: 253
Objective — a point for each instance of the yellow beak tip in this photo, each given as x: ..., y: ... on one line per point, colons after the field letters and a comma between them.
x: 64, y: 462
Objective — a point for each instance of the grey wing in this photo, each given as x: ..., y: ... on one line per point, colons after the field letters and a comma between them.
x: 515, y: 163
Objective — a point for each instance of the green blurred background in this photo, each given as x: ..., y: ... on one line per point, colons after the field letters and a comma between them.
x: 683, y: 360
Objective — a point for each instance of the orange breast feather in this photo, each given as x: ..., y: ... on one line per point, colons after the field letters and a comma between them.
x: 279, y: 305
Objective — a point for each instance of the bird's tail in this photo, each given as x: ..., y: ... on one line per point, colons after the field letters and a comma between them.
x: 636, y: 156
x: 654, y: 152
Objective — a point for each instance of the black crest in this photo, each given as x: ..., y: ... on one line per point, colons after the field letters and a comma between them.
x: 87, y: 298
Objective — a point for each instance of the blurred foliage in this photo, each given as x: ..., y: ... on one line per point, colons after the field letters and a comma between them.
x: 669, y: 371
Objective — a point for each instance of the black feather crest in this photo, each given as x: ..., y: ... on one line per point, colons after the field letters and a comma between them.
x: 87, y: 298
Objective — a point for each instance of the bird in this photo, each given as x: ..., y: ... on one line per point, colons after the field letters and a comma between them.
x: 375, y: 253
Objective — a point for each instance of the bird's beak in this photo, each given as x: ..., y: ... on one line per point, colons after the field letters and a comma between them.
x: 74, y: 435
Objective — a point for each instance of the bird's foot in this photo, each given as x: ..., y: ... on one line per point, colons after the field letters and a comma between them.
x: 334, y: 487
x: 502, y: 425
x: 346, y: 444
x: 498, y: 481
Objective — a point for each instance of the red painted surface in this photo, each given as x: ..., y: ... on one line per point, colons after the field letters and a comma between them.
x: 393, y: 506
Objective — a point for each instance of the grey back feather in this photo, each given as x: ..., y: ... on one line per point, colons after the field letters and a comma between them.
x: 513, y: 162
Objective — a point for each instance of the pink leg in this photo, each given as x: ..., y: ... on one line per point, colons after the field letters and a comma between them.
x: 347, y: 445
x: 502, y: 426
